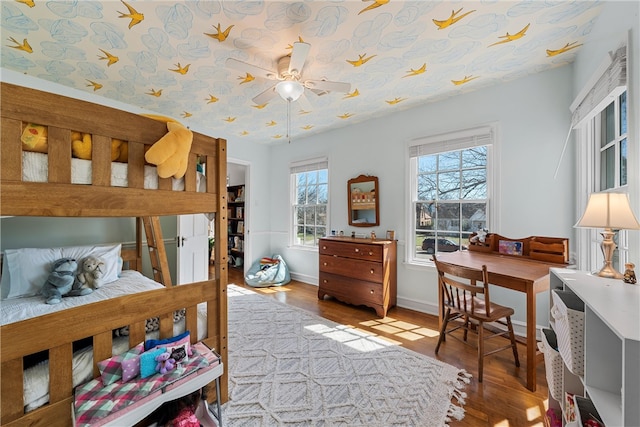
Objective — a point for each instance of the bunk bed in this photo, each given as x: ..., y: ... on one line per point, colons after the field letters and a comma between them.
x: 62, y: 196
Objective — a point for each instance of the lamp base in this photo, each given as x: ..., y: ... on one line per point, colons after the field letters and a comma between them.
x: 608, y: 246
x: 608, y: 272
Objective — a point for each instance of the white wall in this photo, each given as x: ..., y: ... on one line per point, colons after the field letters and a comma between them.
x: 533, y: 119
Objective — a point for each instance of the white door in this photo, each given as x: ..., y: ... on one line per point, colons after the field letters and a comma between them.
x: 193, y: 248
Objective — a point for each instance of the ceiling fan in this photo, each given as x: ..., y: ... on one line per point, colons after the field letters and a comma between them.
x: 290, y: 86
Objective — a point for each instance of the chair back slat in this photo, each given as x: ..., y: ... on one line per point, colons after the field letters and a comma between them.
x: 461, y: 285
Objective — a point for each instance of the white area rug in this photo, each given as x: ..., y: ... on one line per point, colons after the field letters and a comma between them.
x: 289, y: 367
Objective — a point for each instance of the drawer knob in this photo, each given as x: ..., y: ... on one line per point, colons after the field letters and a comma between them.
x: 324, y: 263
x: 370, y: 253
x: 324, y: 247
x: 324, y: 281
x: 371, y: 291
x: 372, y: 271
x: 357, y: 250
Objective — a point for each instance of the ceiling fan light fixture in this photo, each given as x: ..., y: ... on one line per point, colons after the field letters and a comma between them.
x: 289, y: 90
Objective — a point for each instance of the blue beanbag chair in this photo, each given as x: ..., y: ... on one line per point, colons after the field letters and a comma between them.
x: 268, y: 272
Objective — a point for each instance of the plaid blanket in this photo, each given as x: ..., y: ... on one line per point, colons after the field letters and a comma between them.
x: 96, y: 404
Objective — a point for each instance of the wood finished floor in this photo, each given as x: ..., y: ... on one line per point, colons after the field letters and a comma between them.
x: 502, y: 399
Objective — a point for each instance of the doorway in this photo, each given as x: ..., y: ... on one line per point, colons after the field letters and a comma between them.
x: 238, y: 176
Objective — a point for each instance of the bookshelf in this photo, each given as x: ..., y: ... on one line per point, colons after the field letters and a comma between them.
x: 235, y: 197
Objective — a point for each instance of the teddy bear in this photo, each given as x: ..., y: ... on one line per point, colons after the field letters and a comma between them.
x: 171, y: 152
x: 165, y: 363
x: 91, y: 272
x: 61, y: 282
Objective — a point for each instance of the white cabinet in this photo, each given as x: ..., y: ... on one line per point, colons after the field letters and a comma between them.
x: 611, y: 345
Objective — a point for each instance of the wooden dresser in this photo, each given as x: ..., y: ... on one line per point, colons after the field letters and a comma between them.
x: 359, y: 271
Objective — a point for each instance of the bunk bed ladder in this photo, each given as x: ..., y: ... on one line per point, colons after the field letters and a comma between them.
x: 157, y: 251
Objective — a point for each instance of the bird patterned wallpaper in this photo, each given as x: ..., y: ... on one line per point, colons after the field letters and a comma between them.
x: 169, y: 57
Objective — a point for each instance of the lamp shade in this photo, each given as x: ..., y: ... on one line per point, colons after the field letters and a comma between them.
x: 608, y: 210
x: 289, y: 90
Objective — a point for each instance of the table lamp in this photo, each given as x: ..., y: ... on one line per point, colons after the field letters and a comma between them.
x: 610, y: 211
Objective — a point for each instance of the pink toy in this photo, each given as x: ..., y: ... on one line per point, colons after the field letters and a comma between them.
x: 165, y: 363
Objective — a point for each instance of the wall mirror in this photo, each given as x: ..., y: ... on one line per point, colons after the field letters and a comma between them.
x: 363, y: 201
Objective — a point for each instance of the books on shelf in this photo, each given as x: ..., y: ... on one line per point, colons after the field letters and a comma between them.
x: 240, y: 228
x: 239, y: 212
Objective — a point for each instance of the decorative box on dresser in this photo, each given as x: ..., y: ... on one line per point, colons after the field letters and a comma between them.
x: 611, y: 374
x: 359, y: 271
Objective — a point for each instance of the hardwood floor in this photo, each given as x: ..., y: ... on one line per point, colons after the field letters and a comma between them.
x: 502, y: 399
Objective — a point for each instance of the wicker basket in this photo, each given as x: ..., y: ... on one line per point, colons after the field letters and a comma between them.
x: 553, y: 364
x: 568, y: 312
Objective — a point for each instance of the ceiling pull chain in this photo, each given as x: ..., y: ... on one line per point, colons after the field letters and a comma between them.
x: 289, y: 119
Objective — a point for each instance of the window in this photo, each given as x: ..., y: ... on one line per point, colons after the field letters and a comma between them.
x: 451, y: 188
x: 600, y: 117
x: 310, y: 185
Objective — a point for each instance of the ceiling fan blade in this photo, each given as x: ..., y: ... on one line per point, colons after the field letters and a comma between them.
x: 266, y: 96
x: 298, y: 57
x: 255, y: 71
x: 303, y: 103
x: 326, y: 85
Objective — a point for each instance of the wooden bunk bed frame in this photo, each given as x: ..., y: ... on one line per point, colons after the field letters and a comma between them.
x: 60, y: 198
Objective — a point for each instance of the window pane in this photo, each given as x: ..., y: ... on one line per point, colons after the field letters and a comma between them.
x: 608, y: 127
x: 449, y: 186
x: 321, y: 215
x: 425, y: 216
x: 623, y: 162
x: 427, y: 186
x: 312, y: 177
x: 310, y: 215
x: 323, y: 193
x: 474, y: 157
x: 623, y: 113
x: 448, y: 216
x: 474, y: 184
x: 449, y: 161
x: 323, y: 176
x: 427, y: 164
x: 607, y: 166
x: 474, y: 216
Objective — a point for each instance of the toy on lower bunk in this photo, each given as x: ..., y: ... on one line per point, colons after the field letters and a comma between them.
x: 165, y: 363
x: 61, y: 282
x: 91, y: 272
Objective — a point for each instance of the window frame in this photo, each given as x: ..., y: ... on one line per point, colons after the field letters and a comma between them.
x: 309, y: 165
x: 446, y: 142
x: 608, y: 83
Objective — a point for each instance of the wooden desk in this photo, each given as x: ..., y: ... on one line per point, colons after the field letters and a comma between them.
x: 519, y: 274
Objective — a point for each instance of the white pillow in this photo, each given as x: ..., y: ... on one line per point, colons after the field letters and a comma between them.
x: 28, y: 268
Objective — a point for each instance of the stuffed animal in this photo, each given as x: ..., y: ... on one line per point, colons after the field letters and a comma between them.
x: 81, y: 146
x: 61, y: 281
x: 171, y: 152
x: 91, y: 272
x: 480, y: 236
x: 165, y: 363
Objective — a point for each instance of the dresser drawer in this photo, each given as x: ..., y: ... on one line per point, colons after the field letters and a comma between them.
x: 356, y: 250
x: 355, y: 268
x: 353, y: 291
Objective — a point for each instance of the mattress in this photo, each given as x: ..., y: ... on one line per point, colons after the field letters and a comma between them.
x: 130, y: 282
x: 35, y: 169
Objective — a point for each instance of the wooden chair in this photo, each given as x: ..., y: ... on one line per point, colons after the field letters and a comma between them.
x: 461, y: 287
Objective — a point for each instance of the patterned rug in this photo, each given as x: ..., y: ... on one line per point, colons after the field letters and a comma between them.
x: 289, y: 367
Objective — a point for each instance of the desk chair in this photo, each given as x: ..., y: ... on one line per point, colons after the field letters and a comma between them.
x: 461, y: 287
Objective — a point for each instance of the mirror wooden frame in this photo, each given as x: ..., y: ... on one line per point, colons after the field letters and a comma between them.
x: 363, y: 202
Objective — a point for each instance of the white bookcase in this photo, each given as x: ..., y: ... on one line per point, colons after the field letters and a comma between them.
x: 611, y: 345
